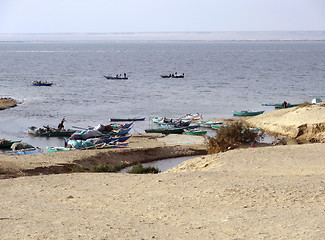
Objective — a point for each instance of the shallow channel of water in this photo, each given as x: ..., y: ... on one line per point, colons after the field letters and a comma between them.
x: 163, y: 165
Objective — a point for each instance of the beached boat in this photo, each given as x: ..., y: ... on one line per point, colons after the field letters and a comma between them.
x: 88, y: 146
x: 126, y: 119
x: 246, y: 113
x: 50, y: 132
x: 195, y: 132
x: 58, y: 149
x: 7, y: 143
x: 165, y: 130
x: 218, y: 126
x: 116, y: 77
x: 39, y: 83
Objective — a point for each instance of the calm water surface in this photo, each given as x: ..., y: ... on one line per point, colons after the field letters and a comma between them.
x: 219, y: 78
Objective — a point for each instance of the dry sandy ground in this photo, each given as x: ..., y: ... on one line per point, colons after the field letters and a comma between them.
x: 271, y: 193
x: 274, y: 192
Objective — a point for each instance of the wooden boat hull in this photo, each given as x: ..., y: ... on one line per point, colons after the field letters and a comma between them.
x: 195, y: 132
x: 126, y: 119
x: 7, y: 143
x: 58, y: 133
x: 116, y: 78
x: 280, y: 106
x: 247, y: 113
x: 165, y: 130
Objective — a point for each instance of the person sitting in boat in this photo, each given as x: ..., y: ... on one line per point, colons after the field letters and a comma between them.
x: 124, y: 75
x: 61, y: 126
x: 284, y: 104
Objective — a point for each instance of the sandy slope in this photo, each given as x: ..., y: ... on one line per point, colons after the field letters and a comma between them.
x: 271, y: 193
x: 256, y: 193
x: 305, y: 123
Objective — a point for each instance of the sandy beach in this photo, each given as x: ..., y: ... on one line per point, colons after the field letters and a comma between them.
x: 275, y: 192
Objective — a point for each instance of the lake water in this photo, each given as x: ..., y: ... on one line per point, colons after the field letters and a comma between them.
x: 219, y: 77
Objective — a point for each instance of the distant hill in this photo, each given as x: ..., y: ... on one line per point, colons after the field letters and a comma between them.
x: 172, y: 36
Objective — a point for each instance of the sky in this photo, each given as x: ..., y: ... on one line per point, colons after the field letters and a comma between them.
x: 124, y: 16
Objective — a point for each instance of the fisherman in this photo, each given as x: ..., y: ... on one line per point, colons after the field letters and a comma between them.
x: 284, y: 104
x: 61, y: 126
x: 124, y: 75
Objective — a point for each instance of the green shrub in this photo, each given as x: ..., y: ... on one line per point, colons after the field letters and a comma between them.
x: 230, y: 136
x: 139, y: 169
x: 107, y: 168
x: 77, y: 168
x: 305, y: 104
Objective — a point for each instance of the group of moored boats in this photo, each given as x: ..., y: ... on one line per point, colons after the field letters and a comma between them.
x: 114, y: 135
x: 177, y: 126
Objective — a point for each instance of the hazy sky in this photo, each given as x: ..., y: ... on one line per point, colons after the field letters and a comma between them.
x: 105, y: 16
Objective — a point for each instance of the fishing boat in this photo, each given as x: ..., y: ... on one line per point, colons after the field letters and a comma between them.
x: 50, y: 132
x: 208, y: 124
x: 126, y: 119
x: 165, y: 130
x: 39, y: 83
x: 7, y: 143
x: 195, y: 132
x: 246, y: 113
x: 195, y: 116
x: 166, y: 76
x: 280, y: 106
x: 116, y: 77
x: 172, y: 76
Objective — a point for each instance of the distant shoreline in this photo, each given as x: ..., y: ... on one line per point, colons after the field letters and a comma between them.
x: 168, y: 36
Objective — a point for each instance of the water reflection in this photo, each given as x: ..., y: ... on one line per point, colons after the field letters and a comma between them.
x: 163, y: 165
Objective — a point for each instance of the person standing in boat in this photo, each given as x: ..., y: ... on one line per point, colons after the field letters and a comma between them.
x: 284, y: 104
x: 61, y: 126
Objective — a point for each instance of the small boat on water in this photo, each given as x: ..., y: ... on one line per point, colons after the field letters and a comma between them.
x: 289, y: 105
x: 173, y: 75
x: 117, y: 77
x: 246, y: 113
x: 50, y: 132
x: 7, y: 143
x: 126, y: 119
x: 195, y: 132
x: 40, y: 83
